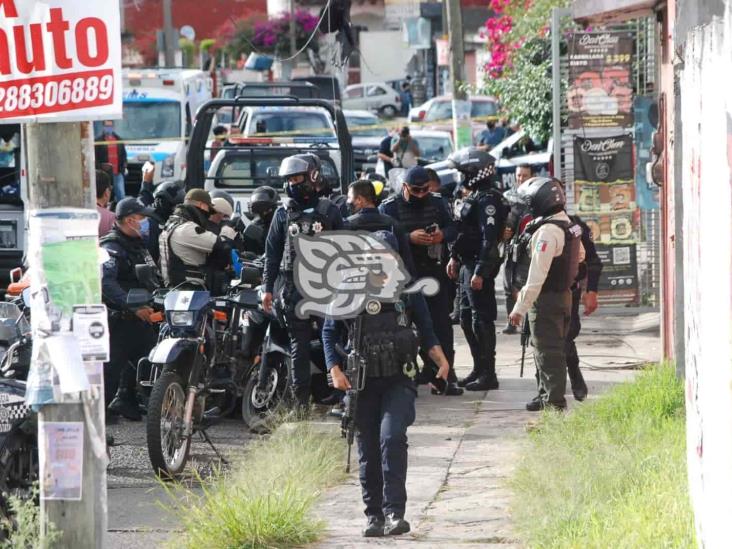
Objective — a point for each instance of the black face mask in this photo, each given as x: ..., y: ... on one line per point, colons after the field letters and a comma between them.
x: 302, y: 193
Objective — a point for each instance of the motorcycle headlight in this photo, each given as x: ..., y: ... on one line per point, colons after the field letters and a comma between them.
x: 181, y: 318
x: 168, y: 167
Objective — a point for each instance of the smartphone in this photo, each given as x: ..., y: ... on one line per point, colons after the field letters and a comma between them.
x: 148, y: 167
x: 432, y: 228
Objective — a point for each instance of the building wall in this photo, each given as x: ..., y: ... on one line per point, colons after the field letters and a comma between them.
x: 706, y: 163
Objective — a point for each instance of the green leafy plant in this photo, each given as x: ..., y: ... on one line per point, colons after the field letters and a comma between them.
x: 24, y: 524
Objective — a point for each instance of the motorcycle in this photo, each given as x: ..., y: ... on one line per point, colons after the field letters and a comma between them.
x: 197, y: 357
x: 18, y: 425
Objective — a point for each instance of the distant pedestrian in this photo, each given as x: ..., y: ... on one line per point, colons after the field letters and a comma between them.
x: 491, y: 136
x: 385, y: 156
x: 405, y: 149
x: 104, y: 194
x: 109, y: 150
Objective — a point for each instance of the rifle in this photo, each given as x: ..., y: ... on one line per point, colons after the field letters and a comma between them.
x: 525, y: 335
x: 356, y: 373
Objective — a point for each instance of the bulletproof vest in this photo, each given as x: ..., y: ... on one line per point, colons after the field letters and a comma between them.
x: 470, y: 239
x: 173, y: 269
x: 137, y: 254
x: 388, y: 344
x: 308, y: 222
x: 564, y: 268
x: 413, y: 217
x: 582, y: 270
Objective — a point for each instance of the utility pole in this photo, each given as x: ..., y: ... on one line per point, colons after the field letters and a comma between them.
x: 61, y: 174
x: 460, y: 107
x: 293, y: 36
x: 169, y: 33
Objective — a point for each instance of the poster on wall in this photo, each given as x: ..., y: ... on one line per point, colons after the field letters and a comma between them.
x: 600, y: 93
x: 645, y: 109
x: 619, y: 278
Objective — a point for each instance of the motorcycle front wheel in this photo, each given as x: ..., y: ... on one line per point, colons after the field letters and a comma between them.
x: 167, y: 444
x: 261, y: 404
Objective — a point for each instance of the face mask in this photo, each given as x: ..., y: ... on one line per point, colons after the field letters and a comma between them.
x: 302, y: 192
x: 108, y: 131
x: 145, y: 228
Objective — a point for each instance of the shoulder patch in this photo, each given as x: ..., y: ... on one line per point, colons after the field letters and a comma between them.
x: 541, y: 246
x: 490, y: 209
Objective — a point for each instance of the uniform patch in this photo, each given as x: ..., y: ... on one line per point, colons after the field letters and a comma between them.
x: 317, y: 227
x: 541, y: 246
x: 490, y: 221
x: 490, y: 209
x: 294, y: 229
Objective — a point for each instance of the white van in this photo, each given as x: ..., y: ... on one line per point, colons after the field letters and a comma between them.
x: 159, y: 109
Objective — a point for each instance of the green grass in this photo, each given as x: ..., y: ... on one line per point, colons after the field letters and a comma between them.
x: 267, y: 499
x: 610, y: 474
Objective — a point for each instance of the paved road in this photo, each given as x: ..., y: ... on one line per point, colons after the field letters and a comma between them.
x: 462, y: 449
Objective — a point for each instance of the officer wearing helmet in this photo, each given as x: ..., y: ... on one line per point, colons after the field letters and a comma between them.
x: 223, y: 205
x: 302, y: 212
x: 426, y: 219
x: 189, y: 249
x: 476, y: 260
x: 163, y: 199
x: 262, y: 205
x: 549, y: 254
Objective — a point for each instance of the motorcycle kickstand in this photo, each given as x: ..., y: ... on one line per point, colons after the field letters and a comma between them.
x: 204, y: 436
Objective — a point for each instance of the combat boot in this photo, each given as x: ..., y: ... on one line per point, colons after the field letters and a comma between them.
x: 125, y: 404
x: 395, y: 525
x: 485, y: 382
x: 374, y: 527
x: 577, y: 380
x: 472, y: 376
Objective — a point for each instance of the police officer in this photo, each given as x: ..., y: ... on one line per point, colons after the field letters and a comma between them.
x: 262, y: 205
x: 386, y: 404
x: 302, y: 212
x: 511, y: 233
x: 476, y: 259
x: 549, y: 253
x: 189, y: 250
x: 131, y: 334
x: 426, y: 219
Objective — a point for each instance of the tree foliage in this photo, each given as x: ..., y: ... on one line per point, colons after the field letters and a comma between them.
x: 519, y: 72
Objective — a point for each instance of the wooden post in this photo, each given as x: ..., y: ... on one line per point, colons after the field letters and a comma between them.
x: 61, y: 174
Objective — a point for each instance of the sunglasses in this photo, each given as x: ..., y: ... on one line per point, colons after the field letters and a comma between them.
x: 419, y: 190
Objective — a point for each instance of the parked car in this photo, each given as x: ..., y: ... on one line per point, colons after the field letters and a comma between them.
x: 436, y: 114
x: 376, y: 96
x: 302, y: 124
x: 328, y: 86
x: 366, y: 132
x: 518, y: 148
x: 433, y: 145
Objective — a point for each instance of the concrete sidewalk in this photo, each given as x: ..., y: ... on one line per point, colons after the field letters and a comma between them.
x: 464, y: 449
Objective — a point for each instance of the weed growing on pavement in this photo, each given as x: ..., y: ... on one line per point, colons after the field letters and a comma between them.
x: 24, y: 526
x: 266, y: 499
x: 611, y: 473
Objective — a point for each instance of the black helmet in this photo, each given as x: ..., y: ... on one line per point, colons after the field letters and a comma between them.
x: 263, y: 199
x: 170, y: 193
x: 477, y: 166
x: 543, y: 195
x: 218, y: 193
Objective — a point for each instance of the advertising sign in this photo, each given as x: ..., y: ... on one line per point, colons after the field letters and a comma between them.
x: 600, y: 92
x: 60, y: 60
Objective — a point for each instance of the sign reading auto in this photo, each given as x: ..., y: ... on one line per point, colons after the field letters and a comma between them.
x: 59, y: 60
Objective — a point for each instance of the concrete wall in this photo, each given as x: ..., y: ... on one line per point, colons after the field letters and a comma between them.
x: 706, y: 164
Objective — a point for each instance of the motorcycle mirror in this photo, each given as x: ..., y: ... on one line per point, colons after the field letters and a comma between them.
x: 138, y: 297
x: 26, y: 297
x: 147, y: 276
x: 15, y: 275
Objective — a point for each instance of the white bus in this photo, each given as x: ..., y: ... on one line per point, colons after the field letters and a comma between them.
x: 159, y: 110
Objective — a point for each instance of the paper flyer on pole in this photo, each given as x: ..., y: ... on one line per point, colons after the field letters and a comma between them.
x: 61, y: 459
x: 63, y: 256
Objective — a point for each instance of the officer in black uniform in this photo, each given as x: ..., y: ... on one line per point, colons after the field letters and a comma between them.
x: 589, y: 277
x: 166, y: 196
x: 426, y: 219
x: 131, y: 334
x: 386, y: 404
x: 549, y: 253
x: 262, y: 204
x: 302, y: 212
x: 475, y: 257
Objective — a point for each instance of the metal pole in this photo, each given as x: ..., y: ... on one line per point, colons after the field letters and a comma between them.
x: 169, y: 33
x: 557, y: 14
x: 457, y: 48
x: 293, y: 37
x: 61, y: 174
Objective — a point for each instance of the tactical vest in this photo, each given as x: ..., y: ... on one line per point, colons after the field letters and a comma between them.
x: 174, y: 270
x: 470, y: 238
x: 254, y: 237
x: 412, y: 218
x: 564, y: 268
x: 308, y: 222
x: 137, y: 254
x: 388, y: 343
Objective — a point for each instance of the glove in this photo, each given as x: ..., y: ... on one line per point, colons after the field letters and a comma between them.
x: 228, y: 233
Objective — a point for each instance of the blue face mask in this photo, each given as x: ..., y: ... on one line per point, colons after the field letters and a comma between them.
x: 145, y: 228
x: 108, y: 130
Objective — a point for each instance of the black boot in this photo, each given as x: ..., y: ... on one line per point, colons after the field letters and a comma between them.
x: 486, y: 336
x: 579, y: 387
x: 374, y: 527
x: 510, y: 329
x: 125, y: 404
x: 394, y: 525
x: 472, y: 376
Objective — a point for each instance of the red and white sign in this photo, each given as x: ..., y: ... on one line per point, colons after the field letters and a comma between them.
x: 60, y: 60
